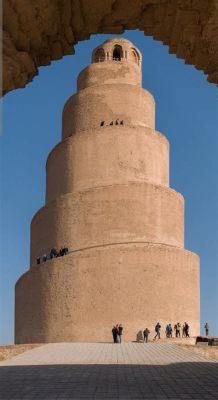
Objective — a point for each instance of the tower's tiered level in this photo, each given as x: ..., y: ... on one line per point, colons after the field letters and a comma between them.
x: 108, y: 199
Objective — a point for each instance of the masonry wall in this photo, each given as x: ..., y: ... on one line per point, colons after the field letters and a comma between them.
x: 80, y: 296
x: 105, y: 156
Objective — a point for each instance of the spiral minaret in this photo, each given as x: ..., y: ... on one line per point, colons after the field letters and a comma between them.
x: 108, y: 200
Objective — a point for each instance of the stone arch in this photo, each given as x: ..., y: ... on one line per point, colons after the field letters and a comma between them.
x: 134, y: 56
x: 99, y: 55
x: 34, y: 35
x: 117, y: 53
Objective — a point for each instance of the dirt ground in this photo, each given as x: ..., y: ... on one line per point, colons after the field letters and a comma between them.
x: 210, y: 352
x: 12, y: 350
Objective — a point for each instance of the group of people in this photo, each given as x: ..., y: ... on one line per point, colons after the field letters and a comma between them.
x: 168, y: 331
x: 54, y: 253
x: 117, y: 122
x: 177, y: 329
x: 117, y: 332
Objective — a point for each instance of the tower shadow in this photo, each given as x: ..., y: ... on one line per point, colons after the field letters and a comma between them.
x: 48, y: 382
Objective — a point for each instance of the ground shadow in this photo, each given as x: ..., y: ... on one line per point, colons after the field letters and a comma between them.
x: 139, y: 336
x: 175, y: 381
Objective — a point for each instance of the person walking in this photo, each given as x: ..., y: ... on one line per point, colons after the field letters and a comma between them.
x: 146, y: 334
x: 170, y: 331
x: 167, y: 330
x: 157, y: 330
x: 177, y: 328
x: 186, y: 329
x: 206, y: 327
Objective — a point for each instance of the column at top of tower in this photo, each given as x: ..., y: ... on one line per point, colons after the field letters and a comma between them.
x: 114, y: 61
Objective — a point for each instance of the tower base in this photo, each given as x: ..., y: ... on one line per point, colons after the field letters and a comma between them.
x: 79, y: 297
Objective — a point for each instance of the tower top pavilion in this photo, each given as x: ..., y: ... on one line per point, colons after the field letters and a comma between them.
x: 117, y: 49
x: 115, y: 61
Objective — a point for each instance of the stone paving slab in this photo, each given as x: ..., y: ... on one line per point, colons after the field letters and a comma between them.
x: 98, y: 371
x: 105, y: 353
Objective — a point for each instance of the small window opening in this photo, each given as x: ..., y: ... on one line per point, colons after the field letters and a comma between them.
x: 134, y: 56
x: 102, y: 123
x: 121, y: 122
x: 99, y: 55
x: 117, y: 53
x: 111, y: 123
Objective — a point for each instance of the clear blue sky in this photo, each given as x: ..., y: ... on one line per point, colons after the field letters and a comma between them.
x: 186, y: 112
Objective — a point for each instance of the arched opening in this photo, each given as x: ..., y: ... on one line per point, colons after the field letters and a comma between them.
x: 134, y: 56
x: 99, y: 55
x: 117, y: 53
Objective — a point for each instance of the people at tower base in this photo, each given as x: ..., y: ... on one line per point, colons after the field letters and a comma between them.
x: 117, y: 332
x: 169, y: 331
x: 157, y: 330
x: 146, y: 334
x: 177, y: 328
x: 185, y: 330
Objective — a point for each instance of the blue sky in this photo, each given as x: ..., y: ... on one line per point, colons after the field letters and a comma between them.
x: 186, y: 112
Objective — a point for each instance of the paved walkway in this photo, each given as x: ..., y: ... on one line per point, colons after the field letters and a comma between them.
x: 107, y: 371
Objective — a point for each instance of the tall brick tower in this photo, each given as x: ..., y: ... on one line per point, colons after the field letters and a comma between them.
x: 108, y: 200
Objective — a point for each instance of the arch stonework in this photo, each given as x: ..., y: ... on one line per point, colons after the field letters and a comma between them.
x: 134, y: 55
x: 99, y: 55
x: 35, y: 33
x: 117, y: 53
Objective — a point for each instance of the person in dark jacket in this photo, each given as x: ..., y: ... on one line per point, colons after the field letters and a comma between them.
x: 114, y: 333
x: 157, y: 330
x: 146, y: 334
x: 186, y: 329
x: 170, y: 331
